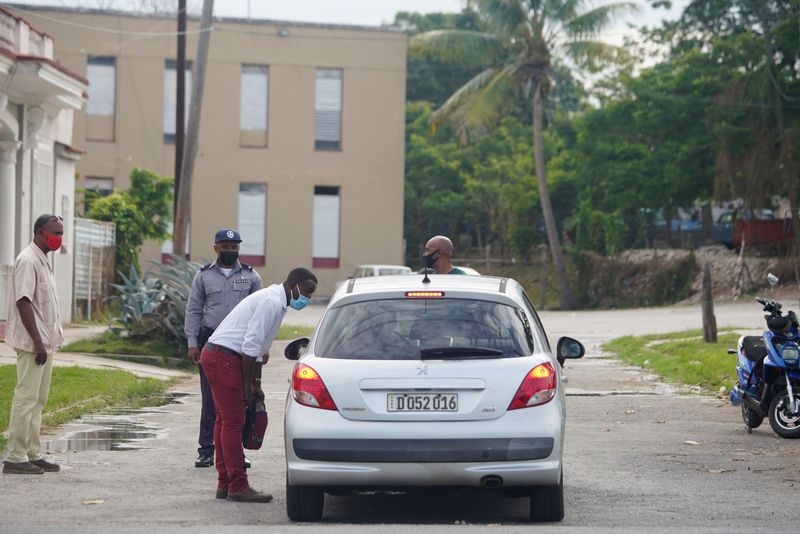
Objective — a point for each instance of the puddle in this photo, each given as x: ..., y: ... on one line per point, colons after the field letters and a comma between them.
x: 118, y: 429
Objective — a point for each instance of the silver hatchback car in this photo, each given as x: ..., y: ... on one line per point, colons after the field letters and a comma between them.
x: 414, y: 383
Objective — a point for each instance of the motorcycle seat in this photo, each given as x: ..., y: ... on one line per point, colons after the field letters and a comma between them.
x: 754, y: 348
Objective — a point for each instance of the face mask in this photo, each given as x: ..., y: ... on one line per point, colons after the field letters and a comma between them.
x: 53, y: 242
x: 228, y: 257
x: 300, y: 302
x: 429, y: 259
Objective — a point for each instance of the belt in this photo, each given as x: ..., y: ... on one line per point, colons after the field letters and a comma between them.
x: 220, y: 348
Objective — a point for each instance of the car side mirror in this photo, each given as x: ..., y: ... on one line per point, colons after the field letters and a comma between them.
x: 569, y: 349
x: 294, y: 350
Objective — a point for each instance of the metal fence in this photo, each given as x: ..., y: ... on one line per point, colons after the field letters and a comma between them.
x: 95, y: 266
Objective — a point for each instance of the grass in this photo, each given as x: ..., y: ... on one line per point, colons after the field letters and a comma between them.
x: 682, y: 357
x: 75, y: 391
x: 110, y: 343
x: 293, y: 332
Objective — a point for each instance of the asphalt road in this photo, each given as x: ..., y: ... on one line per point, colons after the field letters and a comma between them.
x: 640, y: 455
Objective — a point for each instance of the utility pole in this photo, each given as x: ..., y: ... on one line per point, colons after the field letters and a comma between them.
x: 183, y: 212
x: 180, y: 103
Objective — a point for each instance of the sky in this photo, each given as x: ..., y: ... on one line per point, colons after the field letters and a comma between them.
x: 360, y: 12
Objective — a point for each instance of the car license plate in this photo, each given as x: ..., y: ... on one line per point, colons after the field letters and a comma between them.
x: 422, y: 402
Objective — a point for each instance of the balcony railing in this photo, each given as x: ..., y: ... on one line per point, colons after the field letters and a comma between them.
x: 19, y: 37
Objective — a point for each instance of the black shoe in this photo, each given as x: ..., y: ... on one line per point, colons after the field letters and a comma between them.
x: 204, y: 461
x: 246, y: 463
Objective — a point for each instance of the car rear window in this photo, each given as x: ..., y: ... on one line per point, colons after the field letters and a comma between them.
x: 398, y: 329
x: 386, y: 271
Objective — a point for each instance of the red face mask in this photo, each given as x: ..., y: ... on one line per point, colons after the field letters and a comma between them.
x: 53, y: 242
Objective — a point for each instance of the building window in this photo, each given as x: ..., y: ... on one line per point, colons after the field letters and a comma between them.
x: 100, y: 106
x: 328, y: 110
x: 101, y: 186
x: 325, y: 240
x: 252, y: 224
x: 253, y: 99
x: 170, y: 100
x: 98, y: 186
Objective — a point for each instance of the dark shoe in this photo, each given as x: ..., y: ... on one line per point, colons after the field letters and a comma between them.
x: 222, y: 493
x: 21, y: 468
x: 246, y: 463
x: 48, y: 467
x: 249, y: 495
x: 204, y: 461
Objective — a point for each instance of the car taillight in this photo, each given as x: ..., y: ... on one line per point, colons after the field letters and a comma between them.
x: 309, y: 390
x: 538, y: 387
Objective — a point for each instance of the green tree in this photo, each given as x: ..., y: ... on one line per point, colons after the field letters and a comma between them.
x: 517, y: 54
x: 139, y: 213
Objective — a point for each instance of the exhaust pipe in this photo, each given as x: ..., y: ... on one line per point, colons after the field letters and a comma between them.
x: 491, y: 482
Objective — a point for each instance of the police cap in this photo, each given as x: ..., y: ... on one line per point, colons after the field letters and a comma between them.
x: 227, y: 234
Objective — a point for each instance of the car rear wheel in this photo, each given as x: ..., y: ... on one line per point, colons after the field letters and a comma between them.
x: 547, y: 502
x: 304, y: 503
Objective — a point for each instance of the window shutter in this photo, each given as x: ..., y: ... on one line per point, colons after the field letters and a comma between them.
x: 328, y: 108
x: 102, y: 75
x: 253, y: 98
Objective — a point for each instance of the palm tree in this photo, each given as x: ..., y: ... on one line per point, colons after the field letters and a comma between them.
x: 518, y: 55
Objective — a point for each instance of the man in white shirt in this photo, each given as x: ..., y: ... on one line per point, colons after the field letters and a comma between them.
x: 232, y: 360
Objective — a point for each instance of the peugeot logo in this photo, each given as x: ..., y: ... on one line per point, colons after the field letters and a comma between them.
x: 422, y: 369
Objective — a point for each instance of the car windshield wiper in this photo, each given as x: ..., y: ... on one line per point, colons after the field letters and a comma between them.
x: 458, y: 352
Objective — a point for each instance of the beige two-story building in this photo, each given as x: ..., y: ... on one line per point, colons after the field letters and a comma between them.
x: 301, y: 145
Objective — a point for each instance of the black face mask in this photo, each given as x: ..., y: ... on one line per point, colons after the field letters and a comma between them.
x: 227, y: 258
x: 429, y: 259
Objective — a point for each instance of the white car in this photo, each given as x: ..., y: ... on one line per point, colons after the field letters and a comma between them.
x: 407, y: 384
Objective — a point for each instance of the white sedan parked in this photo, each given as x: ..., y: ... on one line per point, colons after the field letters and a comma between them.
x: 410, y: 384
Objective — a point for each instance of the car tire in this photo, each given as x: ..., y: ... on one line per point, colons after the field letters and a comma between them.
x: 304, y: 503
x: 547, y: 502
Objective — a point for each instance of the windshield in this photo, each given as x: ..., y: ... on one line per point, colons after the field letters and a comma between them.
x: 402, y: 329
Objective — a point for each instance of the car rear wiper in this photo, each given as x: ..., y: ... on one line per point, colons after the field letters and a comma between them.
x: 457, y: 352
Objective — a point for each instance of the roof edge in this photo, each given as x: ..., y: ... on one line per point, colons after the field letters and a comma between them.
x: 234, y: 20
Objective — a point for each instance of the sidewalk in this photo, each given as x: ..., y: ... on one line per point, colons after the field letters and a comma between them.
x: 75, y: 332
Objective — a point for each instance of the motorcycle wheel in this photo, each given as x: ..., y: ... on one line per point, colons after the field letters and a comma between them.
x: 785, y: 423
x: 751, y: 418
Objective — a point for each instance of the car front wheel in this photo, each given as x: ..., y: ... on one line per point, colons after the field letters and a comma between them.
x: 304, y: 503
x: 547, y: 502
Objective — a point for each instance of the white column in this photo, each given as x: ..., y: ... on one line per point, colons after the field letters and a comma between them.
x: 8, y: 178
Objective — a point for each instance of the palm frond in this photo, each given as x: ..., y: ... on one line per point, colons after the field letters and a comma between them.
x: 505, y: 16
x: 594, y: 55
x: 593, y: 22
x: 456, y: 46
x: 479, y: 102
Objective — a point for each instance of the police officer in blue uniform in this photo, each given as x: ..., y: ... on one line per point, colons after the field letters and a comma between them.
x: 217, y: 288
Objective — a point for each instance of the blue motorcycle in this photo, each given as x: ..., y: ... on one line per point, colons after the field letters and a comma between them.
x: 768, y: 373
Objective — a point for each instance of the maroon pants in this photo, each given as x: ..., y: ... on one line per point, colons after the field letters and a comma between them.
x: 224, y: 375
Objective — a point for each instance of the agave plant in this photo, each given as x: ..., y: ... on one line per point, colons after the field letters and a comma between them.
x: 138, y: 299
x: 175, y: 282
